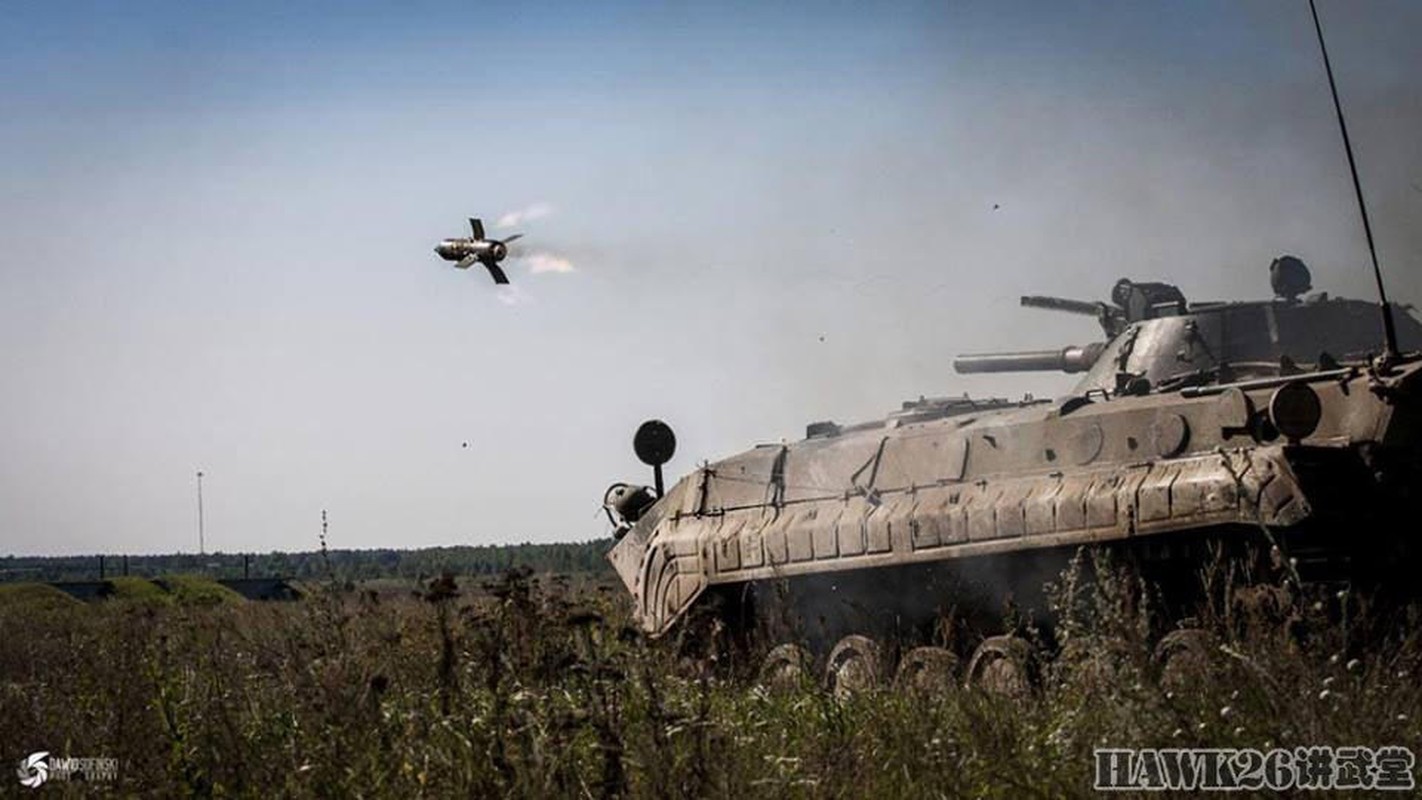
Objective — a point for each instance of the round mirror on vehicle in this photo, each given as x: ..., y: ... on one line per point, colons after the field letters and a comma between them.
x: 655, y: 443
x: 1295, y: 410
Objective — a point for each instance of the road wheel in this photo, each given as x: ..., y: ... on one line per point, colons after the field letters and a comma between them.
x: 854, y: 666
x: 1003, y: 665
x: 927, y: 669
x: 785, y: 667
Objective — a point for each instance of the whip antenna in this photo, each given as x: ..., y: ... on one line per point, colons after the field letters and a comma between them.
x: 1389, y: 329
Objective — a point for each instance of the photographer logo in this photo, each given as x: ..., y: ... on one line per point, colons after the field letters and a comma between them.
x: 40, y: 768
x: 33, y: 770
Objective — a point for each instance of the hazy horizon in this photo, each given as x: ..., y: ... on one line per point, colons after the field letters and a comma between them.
x: 739, y: 218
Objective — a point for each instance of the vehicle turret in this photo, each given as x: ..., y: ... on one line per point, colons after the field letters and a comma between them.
x: 1159, y: 340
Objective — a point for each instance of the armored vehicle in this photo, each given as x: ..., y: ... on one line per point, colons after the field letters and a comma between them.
x: 1282, y: 428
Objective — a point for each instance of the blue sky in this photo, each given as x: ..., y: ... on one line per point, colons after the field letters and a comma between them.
x: 218, y: 219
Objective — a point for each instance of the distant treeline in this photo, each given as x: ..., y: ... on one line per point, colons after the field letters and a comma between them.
x: 569, y: 558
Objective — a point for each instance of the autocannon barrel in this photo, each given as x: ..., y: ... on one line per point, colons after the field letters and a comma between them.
x: 1086, y: 307
x: 1068, y: 359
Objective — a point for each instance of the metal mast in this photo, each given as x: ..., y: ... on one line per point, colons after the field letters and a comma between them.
x: 201, y: 549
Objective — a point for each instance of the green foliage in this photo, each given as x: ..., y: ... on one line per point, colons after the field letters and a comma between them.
x: 195, y: 590
x: 529, y: 687
x: 349, y: 565
x: 138, y: 591
x: 22, y: 599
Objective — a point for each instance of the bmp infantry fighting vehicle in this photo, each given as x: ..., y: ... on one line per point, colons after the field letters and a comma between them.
x: 1284, y: 428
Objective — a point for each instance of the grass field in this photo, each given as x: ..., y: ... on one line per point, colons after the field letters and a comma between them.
x: 536, y: 688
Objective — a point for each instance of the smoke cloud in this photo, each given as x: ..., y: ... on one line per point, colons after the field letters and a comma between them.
x: 512, y: 295
x: 540, y: 262
x: 535, y: 211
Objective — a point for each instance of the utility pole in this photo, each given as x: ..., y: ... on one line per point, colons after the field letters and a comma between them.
x: 201, y: 548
